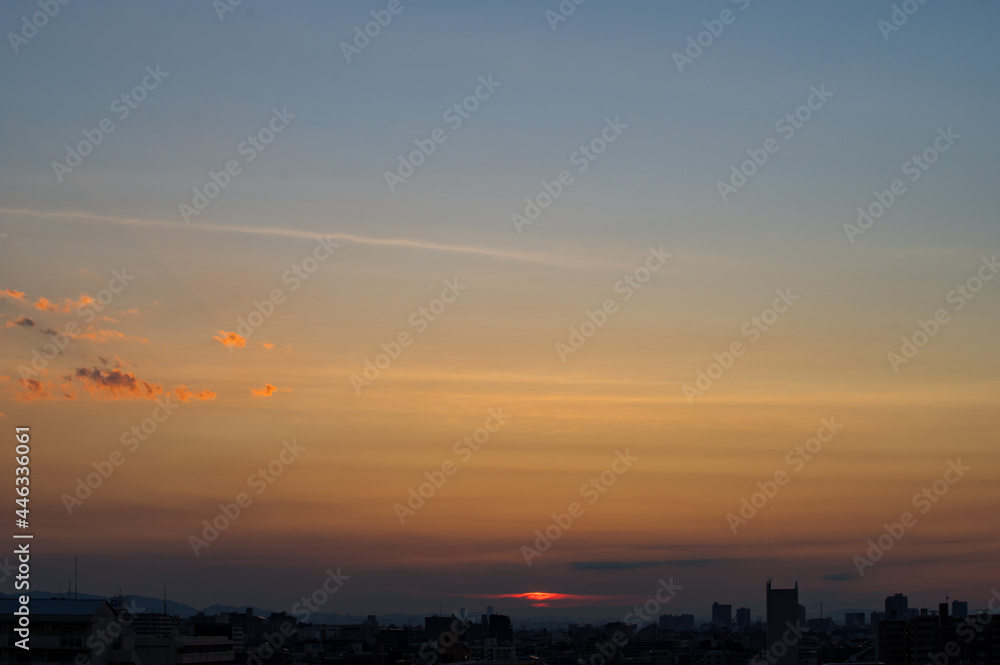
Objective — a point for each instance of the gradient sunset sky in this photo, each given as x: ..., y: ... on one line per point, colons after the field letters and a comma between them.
x: 173, y: 329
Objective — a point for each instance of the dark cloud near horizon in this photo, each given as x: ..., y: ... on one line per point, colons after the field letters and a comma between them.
x: 634, y: 565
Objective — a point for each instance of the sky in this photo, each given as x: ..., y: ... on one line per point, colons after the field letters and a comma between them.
x: 399, y: 304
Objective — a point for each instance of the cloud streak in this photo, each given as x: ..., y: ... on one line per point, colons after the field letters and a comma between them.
x: 232, y: 339
x: 585, y: 263
x: 268, y: 390
x: 548, y: 599
x: 115, y: 384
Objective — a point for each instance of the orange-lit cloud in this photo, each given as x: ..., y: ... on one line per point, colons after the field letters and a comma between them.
x: 115, y: 384
x: 4, y: 378
x: 268, y: 390
x: 67, y: 305
x: 134, y: 310
x: 33, y: 389
x: 11, y: 293
x: 184, y: 394
x: 267, y: 345
x: 103, y: 335
x: 547, y: 599
x: 230, y: 339
x: 23, y: 321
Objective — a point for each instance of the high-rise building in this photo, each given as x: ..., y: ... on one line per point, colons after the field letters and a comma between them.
x: 897, y: 608
x: 501, y: 629
x: 854, y: 619
x: 676, y: 621
x: 742, y: 617
x: 959, y: 609
x: 435, y: 626
x: 783, y: 625
x: 722, y: 615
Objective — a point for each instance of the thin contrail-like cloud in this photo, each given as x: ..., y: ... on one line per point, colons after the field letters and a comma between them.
x: 499, y: 253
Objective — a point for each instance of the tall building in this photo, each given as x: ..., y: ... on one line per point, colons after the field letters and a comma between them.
x: 783, y: 625
x: 722, y: 615
x: 742, y: 617
x: 854, y: 619
x: 897, y: 608
x: 677, y: 621
x: 435, y: 626
x: 501, y: 629
x: 959, y: 609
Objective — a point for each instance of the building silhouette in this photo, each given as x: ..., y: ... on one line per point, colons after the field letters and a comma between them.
x: 722, y: 615
x: 896, y: 607
x: 783, y: 625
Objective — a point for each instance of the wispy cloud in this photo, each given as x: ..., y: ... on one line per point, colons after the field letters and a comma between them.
x: 32, y: 389
x: 268, y: 390
x: 186, y: 395
x: 11, y: 293
x: 22, y: 321
x: 549, y: 599
x: 115, y: 384
x: 408, y: 243
x: 230, y: 339
x: 613, y: 565
x: 67, y: 304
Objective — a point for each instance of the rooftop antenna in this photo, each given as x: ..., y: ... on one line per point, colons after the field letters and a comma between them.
x: 164, y: 598
x: 770, y: 567
x: 76, y: 573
